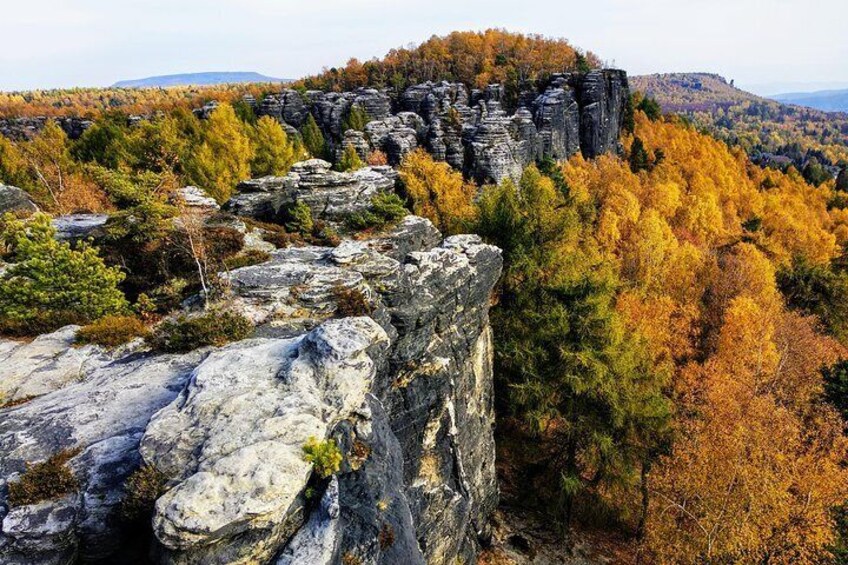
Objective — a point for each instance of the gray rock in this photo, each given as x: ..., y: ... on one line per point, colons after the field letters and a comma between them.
x: 331, y: 195
x: 15, y: 200
x: 194, y: 197
x: 79, y: 226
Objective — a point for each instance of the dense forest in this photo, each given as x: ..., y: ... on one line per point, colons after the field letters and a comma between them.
x: 772, y: 133
x: 670, y: 327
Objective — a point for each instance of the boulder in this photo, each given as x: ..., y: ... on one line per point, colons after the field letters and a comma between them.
x: 79, y: 226
x: 194, y: 197
x: 16, y: 201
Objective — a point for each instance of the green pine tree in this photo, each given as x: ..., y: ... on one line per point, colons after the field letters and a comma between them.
x: 313, y: 139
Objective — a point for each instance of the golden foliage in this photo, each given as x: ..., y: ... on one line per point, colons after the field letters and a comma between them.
x: 438, y: 192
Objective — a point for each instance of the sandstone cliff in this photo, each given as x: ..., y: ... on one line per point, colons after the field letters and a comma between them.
x: 406, y: 392
x: 475, y: 131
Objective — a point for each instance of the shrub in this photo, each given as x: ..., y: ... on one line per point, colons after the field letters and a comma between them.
x: 112, y: 331
x: 143, y: 488
x: 350, y: 160
x: 44, y: 481
x: 386, y: 208
x: 51, y: 285
x: 246, y: 259
x: 298, y: 218
x: 377, y: 158
x: 325, y: 456
x: 350, y: 302
x: 186, y: 333
x: 387, y: 536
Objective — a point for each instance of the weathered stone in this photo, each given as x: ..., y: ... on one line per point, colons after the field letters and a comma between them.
x: 79, y: 226
x: 16, y: 201
x: 331, y: 195
x: 194, y: 197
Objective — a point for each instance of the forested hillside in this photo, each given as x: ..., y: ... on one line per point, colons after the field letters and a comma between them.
x: 772, y: 133
x: 670, y: 328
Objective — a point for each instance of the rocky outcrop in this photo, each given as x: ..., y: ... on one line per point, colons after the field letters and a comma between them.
x: 16, y: 201
x: 79, y: 226
x: 20, y: 129
x: 406, y: 392
x: 330, y: 195
x: 484, y: 133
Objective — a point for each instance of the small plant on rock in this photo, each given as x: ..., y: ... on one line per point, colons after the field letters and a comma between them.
x: 350, y: 160
x: 44, y: 481
x: 186, y: 333
x: 299, y: 218
x: 350, y: 302
x: 50, y: 284
x: 112, y: 331
x: 143, y: 488
x: 246, y: 259
x: 386, y: 209
x: 325, y: 456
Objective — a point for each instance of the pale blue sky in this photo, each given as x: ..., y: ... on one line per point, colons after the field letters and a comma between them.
x: 768, y: 45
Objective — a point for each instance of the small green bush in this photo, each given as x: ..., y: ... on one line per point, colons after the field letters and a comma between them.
x: 298, y: 218
x: 386, y: 209
x: 246, y: 259
x: 350, y: 302
x: 186, y: 333
x: 50, y: 284
x: 44, y: 481
x: 143, y: 488
x: 112, y: 331
x: 357, y: 118
x: 350, y: 160
x: 325, y: 456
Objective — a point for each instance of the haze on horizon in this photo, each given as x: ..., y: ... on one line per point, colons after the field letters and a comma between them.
x: 766, y: 46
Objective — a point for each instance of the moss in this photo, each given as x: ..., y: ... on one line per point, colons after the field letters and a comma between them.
x: 112, y: 331
x: 17, y: 402
x: 350, y: 302
x: 246, y: 259
x: 186, y: 333
x: 325, y: 456
x: 44, y: 481
x: 143, y: 488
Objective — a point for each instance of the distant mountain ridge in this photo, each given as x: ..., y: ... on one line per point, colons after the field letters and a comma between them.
x: 826, y: 100
x: 197, y: 79
x: 772, y: 132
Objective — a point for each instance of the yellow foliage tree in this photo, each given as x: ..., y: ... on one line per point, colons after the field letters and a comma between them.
x: 274, y: 153
x: 224, y: 155
x: 438, y: 192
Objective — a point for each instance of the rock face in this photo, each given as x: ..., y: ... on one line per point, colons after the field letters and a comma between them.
x: 481, y: 132
x: 20, y: 129
x: 405, y: 392
x: 16, y: 201
x: 329, y: 194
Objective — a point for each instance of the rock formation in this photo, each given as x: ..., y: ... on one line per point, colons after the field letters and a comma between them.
x: 475, y: 131
x: 406, y: 392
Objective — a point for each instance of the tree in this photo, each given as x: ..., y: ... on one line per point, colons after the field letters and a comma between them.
x: 814, y: 173
x: 350, y: 160
x: 651, y: 108
x: 817, y: 290
x: 50, y: 285
x: 638, y: 156
x: 275, y: 154
x: 224, y: 155
x: 438, y: 192
x: 356, y: 119
x: 313, y: 139
x: 585, y: 388
x: 842, y: 180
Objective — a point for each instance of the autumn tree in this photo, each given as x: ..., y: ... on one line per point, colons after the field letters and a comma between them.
x: 582, y: 386
x: 438, y: 192
x: 224, y: 155
x: 275, y: 154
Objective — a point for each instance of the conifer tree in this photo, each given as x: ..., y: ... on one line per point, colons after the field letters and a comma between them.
x: 313, y: 139
x: 274, y: 153
x: 350, y: 160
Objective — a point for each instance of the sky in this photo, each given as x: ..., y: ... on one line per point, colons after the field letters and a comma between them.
x: 767, y: 46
